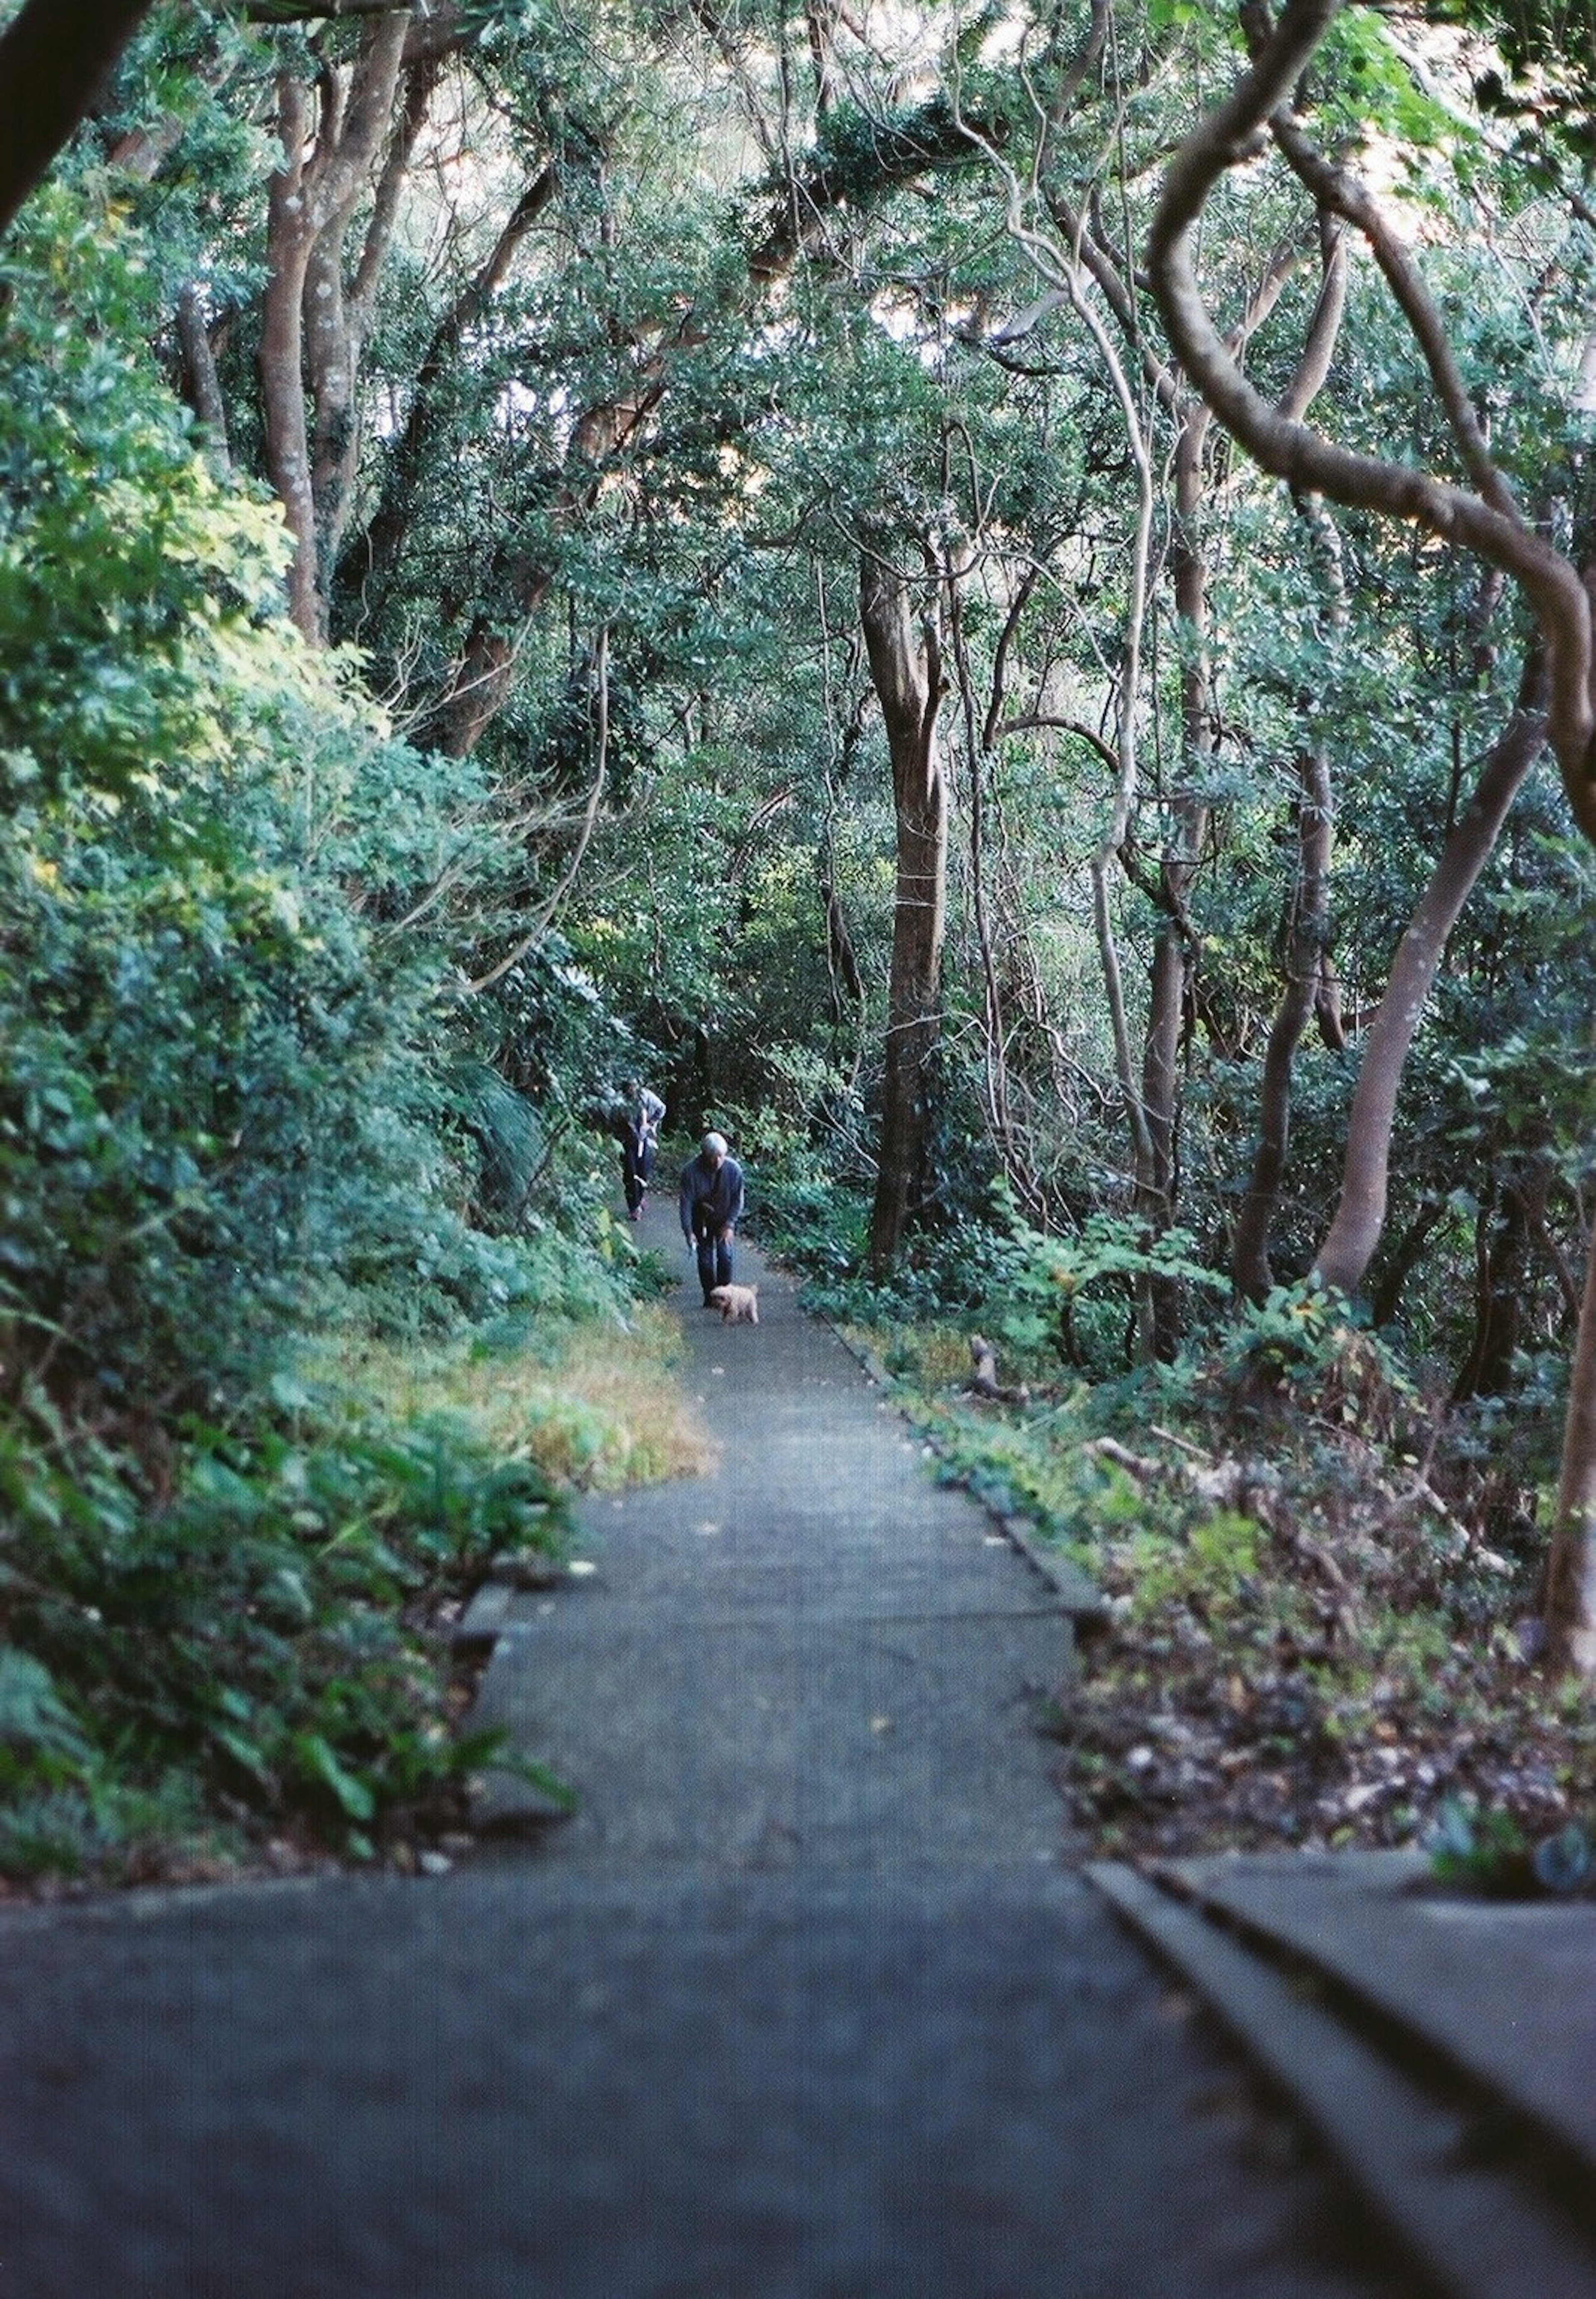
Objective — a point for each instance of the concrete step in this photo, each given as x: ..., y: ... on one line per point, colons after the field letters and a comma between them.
x: 854, y: 1741
x: 541, y: 2084
x: 1443, y: 2048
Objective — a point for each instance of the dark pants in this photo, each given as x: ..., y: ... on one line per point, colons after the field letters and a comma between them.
x: 636, y: 1165
x: 714, y: 1261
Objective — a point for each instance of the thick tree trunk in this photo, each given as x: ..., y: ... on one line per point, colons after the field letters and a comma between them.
x: 1343, y: 1259
x: 906, y: 670
x: 317, y: 183
x: 54, y: 58
x: 340, y: 308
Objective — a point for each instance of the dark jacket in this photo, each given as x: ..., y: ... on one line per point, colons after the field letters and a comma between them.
x: 712, y: 1196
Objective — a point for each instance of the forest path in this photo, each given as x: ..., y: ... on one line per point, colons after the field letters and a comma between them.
x: 812, y: 1654
x: 807, y: 2001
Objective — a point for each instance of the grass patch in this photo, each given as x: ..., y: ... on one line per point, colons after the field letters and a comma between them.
x: 594, y: 1406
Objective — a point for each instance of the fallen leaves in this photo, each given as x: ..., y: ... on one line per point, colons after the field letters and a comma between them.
x: 1333, y: 1681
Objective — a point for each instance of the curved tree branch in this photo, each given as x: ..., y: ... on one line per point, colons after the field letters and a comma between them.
x: 1349, y: 1246
x: 1310, y: 463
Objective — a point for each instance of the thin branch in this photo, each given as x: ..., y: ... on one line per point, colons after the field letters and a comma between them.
x: 1312, y: 464
x: 545, y: 916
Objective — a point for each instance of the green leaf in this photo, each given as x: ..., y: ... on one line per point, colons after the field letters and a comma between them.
x: 317, y: 1757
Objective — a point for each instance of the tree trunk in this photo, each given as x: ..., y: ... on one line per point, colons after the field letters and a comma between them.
x: 202, y: 386
x: 484, y: 679
x: 1483, y: 517
x: 315, y: 184
x: 1305, y: 943
x: 340, y: 308
x: 906, y: 670
x: 1175, y: 945
x: 368, y: 563
x: 1571, y: 1570
x: 54, y: 58
x: 1169, y: 990
x: 1307, y: 933
x: 1501, y: 1263
x: 1402, y: 1264
x: 1343, y: 1259
x: 289, y: 238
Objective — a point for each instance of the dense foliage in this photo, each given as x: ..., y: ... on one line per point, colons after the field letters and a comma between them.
x: 501, y: 506
x: 242, y: 1103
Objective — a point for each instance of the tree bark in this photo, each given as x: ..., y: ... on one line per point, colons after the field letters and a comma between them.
x: 319, y: 178
x: 55, y: 56
x: 1173, y: 946
x: 906, y: 671
x: 339, y: 313
x: 1350, y: 1241
x: 202, y: 386
x: 1308, y: 928
x: 1305, y: 948
x: 1400, y: 1263
x: 1502, y: 1271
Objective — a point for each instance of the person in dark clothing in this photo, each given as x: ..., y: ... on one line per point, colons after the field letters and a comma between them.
x: 639, y: 1128
x: 711, y: 1206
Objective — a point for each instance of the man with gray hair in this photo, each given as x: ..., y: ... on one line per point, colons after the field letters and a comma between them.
x: 711, y: 1206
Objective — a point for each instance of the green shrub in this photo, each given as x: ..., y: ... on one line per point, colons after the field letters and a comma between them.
x: 262, y: 1637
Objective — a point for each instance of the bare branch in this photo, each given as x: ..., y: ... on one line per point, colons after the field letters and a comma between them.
x: 1291, y: 451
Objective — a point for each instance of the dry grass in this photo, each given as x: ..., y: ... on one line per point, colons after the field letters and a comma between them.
x: 605, y: 1411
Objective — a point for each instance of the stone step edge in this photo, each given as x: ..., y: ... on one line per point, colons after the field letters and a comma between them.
x: 1183, y: 1880
x: 1413, y: 2154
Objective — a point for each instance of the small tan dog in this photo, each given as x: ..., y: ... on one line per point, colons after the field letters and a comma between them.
x: 734, y: 1301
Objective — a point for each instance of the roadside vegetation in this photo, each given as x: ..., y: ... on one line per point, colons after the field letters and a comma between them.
x: 1322, y: 1589
x: 864, y: 569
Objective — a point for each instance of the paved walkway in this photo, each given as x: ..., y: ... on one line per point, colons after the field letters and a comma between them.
x: 808, y: 2001
x: 815, y: 1656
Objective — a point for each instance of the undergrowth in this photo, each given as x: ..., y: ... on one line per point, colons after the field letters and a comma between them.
x: 232, y: 1655
x: 1322, y: 1593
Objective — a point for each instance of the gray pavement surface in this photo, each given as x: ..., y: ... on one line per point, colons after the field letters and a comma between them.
x: 815, y: 1652
x: 807, y: 2002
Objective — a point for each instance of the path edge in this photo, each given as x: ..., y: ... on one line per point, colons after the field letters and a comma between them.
x: 1077, y: 1596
